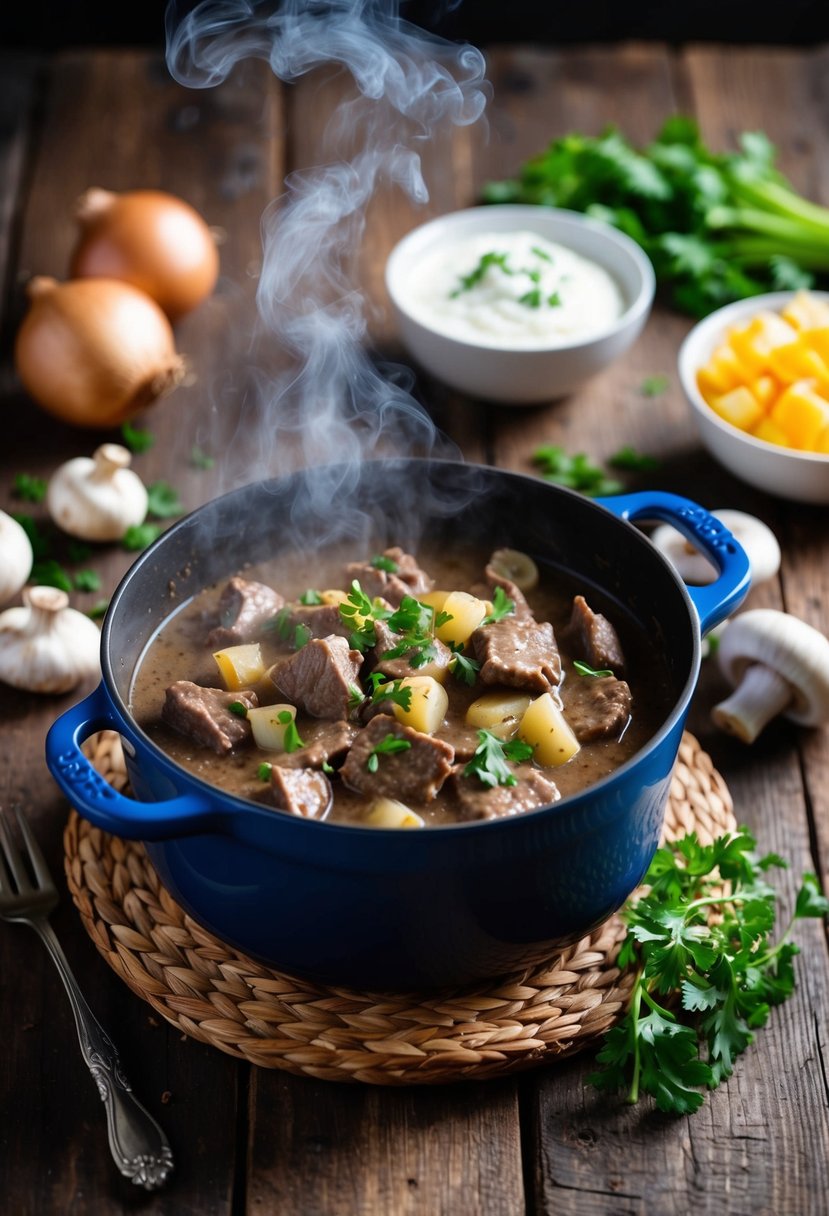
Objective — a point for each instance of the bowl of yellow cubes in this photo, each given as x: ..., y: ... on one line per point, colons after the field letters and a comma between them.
x: 756, y: 374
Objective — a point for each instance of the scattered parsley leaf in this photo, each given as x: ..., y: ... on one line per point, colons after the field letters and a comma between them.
x: 531, y: 298
x: 49, y: 573
x: 701, y: 934
x: 636, y: 462
x: 390, y: 690
x: 584, y: 669
x: 302, y: 635
x: 362, y: 613
x: 264, y: 772
x: 41, y: 545
x: 163, y: 501
x: 310, y: 597
x: 291, y: 740
x: 390, y: 745
x: 78, y: 552
x: 415, y: 622
x: 576, y: 472
x: 502, y: 606
x: 138, y: 439
x: 139, y: 536
x: 87, y: 580
x: 199, y: 459
x: 97, y: 610
x: 654, y: 386
x: 280, y: 624
x: 381, y: 562
x: 29, y: 488
x: 355, y: 697
x: 489, y: 762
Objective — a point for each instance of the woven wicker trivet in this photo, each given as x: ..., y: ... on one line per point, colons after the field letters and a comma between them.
x: 208, y: 990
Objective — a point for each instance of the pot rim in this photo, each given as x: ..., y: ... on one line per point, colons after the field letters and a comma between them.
x: 226, y: 801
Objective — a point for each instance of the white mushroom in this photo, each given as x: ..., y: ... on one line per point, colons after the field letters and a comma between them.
x: 97, y: 498
x: 15, y: 557
x: 778, y: 665
x: 46, y: 646
x: 756, y: 538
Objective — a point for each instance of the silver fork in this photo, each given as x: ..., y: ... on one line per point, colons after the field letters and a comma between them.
x: 138, y: 1145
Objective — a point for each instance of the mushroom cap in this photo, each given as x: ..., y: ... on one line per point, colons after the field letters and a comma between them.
x: 798, y: 652
x: 756, y: 538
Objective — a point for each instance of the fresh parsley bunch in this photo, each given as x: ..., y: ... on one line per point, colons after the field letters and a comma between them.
x: 717, y: 227
x: 707, y: 972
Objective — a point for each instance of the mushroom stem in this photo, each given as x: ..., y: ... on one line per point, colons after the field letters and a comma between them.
x: 759, y: 697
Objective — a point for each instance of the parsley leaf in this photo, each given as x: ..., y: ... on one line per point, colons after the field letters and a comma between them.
x: 463, y: 668
x: 701, y: 934
x: 199, y: 459
x: 49, y: 573
x: 86, y: 580
x: 654, y: 386
x: 238, y: 708
x: 138, y: 439
x: 576, y: 472
x: 381, y: 562
x: 636, y: 462
x: 310, y: 597
x: 97, y: 610
x: 139, y: 536
x: 290, y: 740
x: 489, y: 762
x: 40, y: 543
x: 584, y: 669
x: 163, y: 501
x: 468, y: 281
x: 362, y: 613
x: 264, y: 772
x: 29, y: 488
x: 390, y: 690
x: 502, y: 606
x: 390, y: 745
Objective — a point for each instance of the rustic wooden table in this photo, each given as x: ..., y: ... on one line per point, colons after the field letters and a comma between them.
x: 252, y: 1140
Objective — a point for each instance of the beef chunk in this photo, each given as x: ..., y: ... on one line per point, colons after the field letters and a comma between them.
x: 322, y: 620
x: 325, y: 743
x: 320, y: 677
x: 494, y: 579
x: 520, y: 653
x: 598, y: 707
x: 397, y: 669
x: 479, y: 801
x: 203, y: 715
x: 408, y: 579
x: 413, y: 775
x: 244, y: 607
x: 593, y: 635
x: 301, y: 791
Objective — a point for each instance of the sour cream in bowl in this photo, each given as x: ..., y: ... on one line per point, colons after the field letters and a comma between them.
x: 518, y: 304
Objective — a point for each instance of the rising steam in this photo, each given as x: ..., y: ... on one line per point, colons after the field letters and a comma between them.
x: 334, y: 403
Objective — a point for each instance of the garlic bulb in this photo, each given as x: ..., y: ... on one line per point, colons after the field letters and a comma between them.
x: 15, y: 557
x: 45, y: 646
x: 97, y: 498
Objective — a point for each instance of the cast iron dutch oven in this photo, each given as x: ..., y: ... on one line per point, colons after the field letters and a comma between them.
x: 380, y: 908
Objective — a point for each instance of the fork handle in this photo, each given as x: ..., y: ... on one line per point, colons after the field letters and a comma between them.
x: 138, y: 1145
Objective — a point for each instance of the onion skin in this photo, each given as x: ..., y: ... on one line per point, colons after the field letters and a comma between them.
x: 150, y: 239
x: 94, y: 352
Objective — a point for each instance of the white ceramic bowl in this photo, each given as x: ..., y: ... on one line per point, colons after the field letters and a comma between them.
x: 786, y: 472
x: 527, y: 375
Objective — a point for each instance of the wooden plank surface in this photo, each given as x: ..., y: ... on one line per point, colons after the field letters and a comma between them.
x: 257, y: 1141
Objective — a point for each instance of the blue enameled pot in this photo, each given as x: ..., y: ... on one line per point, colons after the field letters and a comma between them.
x: 380, y: 908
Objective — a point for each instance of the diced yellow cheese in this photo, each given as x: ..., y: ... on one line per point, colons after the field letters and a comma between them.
x: 739, y: 407
x: 770, y: 432
x: 801, y: 413
x: 806, y: 311
x: 753, y: 343
x: 240, y: 666
x: 798, y: 361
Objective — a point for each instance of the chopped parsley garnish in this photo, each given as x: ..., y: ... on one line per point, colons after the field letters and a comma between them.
x: 502, y: 606
x: 489, y: 763
x: 86, y: 580
x: 463, y: 668
x: 200, y: 459
x: 264, y: 772
x: 390, y: 690
x: 388, y: 746
x: 138, y: 439
x: 302, y: 634
x: 291, y: 740
x: 281, y: 624
x: 29, y: 488
x: 238, y: 708
x: 381, y: 562
x: 554, y: 300
x: 163, y: 501
x: 468, y: 281
x: 139, y: 536
x: 361, y: 612
x: 415, y: 622
x: 355, y: 697
x: 326, y: 767
x: 654, y: 386
x: 635, y: 462
x: 700, y: 940
x: 541, y: 253
x: 576, y: 472
x: 310, y: 597
x: 531, y: 298
x: 584, y: 669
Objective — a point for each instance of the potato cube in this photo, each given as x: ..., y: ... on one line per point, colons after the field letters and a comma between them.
x: 240, y: 666
x: 722, y: 372
x: 547, y: 731
x: 389, y: 813
x: 764, y: 389
x: 739, y: 407
x: 435, y: 599
x: 806, y: 311
x: 753, y: 343
x: 822, y: 441
x: 798, y: 361
x: 465, y: 614
x: 268, y: 730
x: 498, y: 712
x: 334, y: 596
x: 770, y: 432
x: 428, y: 705
x: 801, y: 413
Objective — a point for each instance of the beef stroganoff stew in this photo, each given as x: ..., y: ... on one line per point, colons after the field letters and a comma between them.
x: 397, y: 691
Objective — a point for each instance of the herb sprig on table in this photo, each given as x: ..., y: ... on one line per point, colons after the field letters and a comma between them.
x: 707, y: 971
x: 717, y: 226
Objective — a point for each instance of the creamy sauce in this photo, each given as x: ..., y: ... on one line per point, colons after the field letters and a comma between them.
x: 513, y: 289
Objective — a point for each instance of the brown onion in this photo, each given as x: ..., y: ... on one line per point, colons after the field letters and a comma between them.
x: 93, y: 352
x: 148, y: 238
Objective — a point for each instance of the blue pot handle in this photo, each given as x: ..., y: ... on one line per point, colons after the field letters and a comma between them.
x: 96, y: 800
x: 717, y: 600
